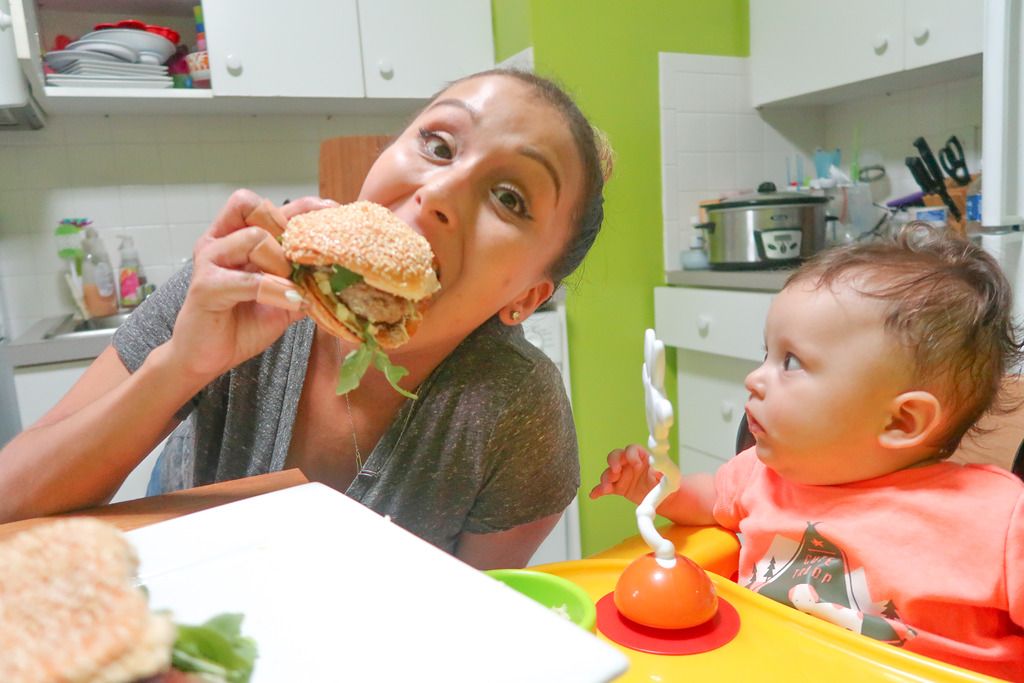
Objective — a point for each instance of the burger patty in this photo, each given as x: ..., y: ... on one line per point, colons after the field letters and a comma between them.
x: 375, y: 305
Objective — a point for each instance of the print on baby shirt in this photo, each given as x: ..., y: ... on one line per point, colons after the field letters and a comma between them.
x: 817, y: 580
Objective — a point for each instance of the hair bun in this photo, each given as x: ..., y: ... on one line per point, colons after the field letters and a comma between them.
x: 605, y: 153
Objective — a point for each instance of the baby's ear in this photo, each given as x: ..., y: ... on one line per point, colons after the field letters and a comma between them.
x: 914, y: 418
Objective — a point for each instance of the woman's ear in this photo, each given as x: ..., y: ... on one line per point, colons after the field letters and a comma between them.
x: 914, y: 418
x: 526, y: 302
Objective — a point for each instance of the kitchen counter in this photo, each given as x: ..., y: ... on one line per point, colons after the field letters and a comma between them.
x: 753, y: 280
x: 33, y: 348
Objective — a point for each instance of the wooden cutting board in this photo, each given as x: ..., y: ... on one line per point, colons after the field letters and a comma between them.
x: 344, y: 163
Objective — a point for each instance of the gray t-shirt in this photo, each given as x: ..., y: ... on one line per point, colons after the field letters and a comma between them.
x: 489, y: 445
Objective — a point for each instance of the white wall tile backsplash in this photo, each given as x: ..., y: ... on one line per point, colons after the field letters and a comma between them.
x: 713, y: 142
x: 160, y: 179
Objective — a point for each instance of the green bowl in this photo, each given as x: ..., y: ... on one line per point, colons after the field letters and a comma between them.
x: 552, y: 591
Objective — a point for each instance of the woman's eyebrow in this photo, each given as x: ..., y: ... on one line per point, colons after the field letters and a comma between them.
x: 539, y: 157
x: 452, y: 102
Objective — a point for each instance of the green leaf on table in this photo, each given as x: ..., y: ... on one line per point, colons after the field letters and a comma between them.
x: 216, y: 649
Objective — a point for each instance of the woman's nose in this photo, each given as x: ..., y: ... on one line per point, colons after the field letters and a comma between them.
x: 439, y: 200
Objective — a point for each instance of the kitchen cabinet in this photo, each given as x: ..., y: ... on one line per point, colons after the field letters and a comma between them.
x: 39, y: 387
x: 413, y: 48
x: 718, y: 337
x: 805, y: 47
x: 306, y: 48
x: 308, y: 56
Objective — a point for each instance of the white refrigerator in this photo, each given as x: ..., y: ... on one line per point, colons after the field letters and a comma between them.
x: 1002, y: 148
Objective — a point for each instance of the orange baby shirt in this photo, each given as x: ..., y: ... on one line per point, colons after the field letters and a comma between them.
x: 929, y: 558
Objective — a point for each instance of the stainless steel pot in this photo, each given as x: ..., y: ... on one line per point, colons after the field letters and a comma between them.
x: 765, y: 229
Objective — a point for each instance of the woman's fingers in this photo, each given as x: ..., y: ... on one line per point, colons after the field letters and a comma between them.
x: 225, y: 270
x: 246, y: 208
x: 280, y: 293
x: 269, y: 257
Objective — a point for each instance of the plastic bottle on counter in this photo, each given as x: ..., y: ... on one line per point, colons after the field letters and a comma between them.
x: 129, y: 275
x: 99, y: 289
x: 696, y: 257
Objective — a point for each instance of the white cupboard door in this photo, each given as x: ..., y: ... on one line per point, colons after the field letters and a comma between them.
x: 413, y: 48
x: 302, y: 48
x: 940, y: 30
x: 803, y: 46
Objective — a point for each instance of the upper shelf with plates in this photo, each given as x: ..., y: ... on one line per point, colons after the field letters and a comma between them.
x: 355, y: 56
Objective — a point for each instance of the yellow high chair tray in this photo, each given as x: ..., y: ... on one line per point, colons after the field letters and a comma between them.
x: 775, y: 642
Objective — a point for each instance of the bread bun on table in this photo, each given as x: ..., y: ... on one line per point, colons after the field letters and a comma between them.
x: 69, y: 609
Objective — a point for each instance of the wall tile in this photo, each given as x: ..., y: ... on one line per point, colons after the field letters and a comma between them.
x: 690, y: 133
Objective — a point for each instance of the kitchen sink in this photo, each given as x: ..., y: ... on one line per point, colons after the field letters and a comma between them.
x: 75, y: 327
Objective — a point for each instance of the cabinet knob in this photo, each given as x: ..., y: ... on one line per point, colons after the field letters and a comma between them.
x: 234, y: 64
x: 386, y: 69
x: 881, y: 44
x: 5, y: 20
x: 921, y: 35
x: 728, y: 408
x: 703, y: 324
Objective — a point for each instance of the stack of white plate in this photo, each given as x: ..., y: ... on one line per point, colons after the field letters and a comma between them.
x: 122, y: 58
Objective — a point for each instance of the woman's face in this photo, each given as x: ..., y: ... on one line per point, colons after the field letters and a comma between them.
x: 490, y: 175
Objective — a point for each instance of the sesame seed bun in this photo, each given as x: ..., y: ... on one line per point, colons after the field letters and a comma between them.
x: 70, y: 611
x: 368, y: 240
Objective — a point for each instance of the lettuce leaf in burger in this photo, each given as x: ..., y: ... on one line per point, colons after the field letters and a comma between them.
x: 366, y: 274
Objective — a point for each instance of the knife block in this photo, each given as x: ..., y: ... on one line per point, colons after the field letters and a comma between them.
x: 958, y: 193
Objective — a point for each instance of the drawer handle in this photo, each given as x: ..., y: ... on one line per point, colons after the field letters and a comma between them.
x: 234, y: 64
x: 728, y: 408
x: 386, y: 70
x: 921, y: 35
x: 703, y: 324
x: 881, y: 44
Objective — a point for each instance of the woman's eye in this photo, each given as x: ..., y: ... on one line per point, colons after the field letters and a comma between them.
x: 512, y: 200
x: 435, y: 145
x: 791, y: 362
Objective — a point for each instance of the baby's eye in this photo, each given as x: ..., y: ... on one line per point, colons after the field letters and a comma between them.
x: 791, y: 362
x: 435, y: 145
x: 512, y: 200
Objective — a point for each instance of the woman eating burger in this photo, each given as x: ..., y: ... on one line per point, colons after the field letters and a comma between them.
x: 502, y: 176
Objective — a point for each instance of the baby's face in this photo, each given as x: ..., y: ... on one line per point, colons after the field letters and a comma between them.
x: 823, y: 394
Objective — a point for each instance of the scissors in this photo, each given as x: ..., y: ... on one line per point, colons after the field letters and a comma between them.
x: 928, y: 175
x: 951, y: 156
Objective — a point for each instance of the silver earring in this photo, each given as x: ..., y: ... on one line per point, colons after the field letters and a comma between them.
x: 515, y: 315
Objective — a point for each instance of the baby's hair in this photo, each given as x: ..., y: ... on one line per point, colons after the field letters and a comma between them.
x: 950, y: 306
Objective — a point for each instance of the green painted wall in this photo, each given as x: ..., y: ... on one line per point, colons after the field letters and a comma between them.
x: 511, y: 22
x: 606, y: 53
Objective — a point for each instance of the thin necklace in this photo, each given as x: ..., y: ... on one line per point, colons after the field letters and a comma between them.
x: 355, y: 442
x: 352, y: 422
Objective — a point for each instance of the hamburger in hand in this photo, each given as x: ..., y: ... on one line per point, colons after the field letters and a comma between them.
x: 366, y: 274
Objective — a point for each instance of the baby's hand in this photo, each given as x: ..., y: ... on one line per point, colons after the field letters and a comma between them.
x: 628, y: 474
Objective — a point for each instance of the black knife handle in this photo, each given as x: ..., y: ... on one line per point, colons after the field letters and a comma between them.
x: 934, y: 170
x: 921, y: 177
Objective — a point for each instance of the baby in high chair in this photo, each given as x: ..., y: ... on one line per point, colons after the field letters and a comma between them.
x: 879, y: 358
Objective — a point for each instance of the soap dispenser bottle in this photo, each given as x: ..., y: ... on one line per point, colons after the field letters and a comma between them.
x: 98, y: 287
x: 129, y: 274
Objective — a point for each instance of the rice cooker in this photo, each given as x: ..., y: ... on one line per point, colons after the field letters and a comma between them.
x: 765, y: 229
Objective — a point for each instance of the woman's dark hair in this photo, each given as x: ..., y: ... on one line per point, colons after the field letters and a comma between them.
x: 949, y: 305
x: 595, y: 155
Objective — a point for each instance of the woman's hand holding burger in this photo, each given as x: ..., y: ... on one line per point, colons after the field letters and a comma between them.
x: 240, y: 299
